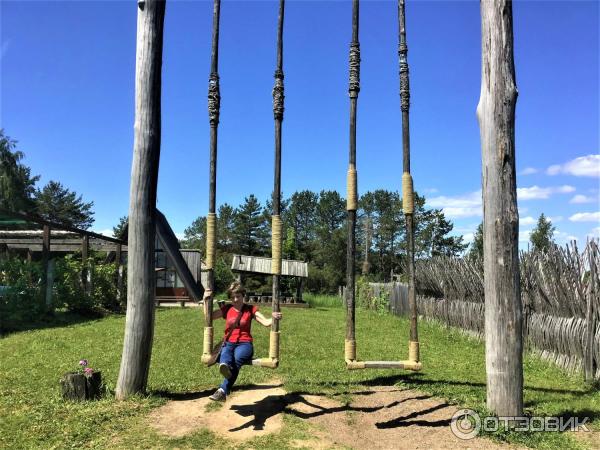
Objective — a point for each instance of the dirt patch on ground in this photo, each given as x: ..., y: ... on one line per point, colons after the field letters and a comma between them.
x: 380, y: 417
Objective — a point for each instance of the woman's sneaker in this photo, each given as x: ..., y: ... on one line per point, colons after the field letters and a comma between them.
x: 225, y: 370
x: 219, y: 396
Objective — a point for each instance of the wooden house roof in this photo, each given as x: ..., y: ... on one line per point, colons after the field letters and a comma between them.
x: 262, y: 265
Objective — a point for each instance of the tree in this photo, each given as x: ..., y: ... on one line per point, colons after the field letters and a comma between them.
x: 476, y: 250
x: 139, y: 323
x: 435, y: 235
x: 542, y: 235
x: 59, y: 204
x: 250, y: 230
x: 301, y: 216
x: 503, y: 308
x: 226, y: 229
x: 17, y: 186
x: 119, y: 229
x: 194, y: 236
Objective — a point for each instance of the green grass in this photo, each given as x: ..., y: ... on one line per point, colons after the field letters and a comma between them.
x: 32, y: 414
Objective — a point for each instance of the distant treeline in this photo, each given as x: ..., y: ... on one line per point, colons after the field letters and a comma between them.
x: 315, y: 232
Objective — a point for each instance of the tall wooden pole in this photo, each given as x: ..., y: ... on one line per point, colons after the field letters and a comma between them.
x: 503, y: 309
x: 278, y: 99
x: 407, y: 183
x: 139, y: 323
x: 214, y: 105
x: 352, y: 188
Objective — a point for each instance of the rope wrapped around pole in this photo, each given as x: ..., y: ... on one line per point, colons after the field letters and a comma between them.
x: 276, y: 229
x: 408, y: 194
x: 352, y: 189
x: 211, y: 228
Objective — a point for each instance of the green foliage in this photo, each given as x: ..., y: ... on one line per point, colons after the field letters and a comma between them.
x: 542, y: 235
x: 476, y: 249
x: 17, y: 186
x: 69, y: 290
x: 315, y: 232
x: 119, y: 229
x: 223, y: 274
x: 57, y: 203
x: 21, y: 299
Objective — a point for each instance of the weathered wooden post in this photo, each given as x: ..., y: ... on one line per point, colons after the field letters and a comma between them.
x: 503, y: 310
x: 407, y: 184
x: 277, y: 227
x: 139, y: 324
x: 46, y: 269
x: 590, y: 317
x: 85, y: 247
x: 352, y: 189
x: 214, y: 106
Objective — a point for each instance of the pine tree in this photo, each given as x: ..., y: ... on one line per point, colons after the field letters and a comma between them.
x: 59, y: 204
x: 542, y: 235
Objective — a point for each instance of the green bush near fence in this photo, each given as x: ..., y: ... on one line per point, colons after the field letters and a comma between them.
x: 22, y: 301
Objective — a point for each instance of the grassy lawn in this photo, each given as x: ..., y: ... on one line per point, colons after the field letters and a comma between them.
x: 32, y: 413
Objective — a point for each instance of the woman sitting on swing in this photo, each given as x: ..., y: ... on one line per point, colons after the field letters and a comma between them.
x: 238, y: 349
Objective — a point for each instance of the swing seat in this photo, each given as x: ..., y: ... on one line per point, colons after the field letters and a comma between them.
x: 402, y: 365
x: 269, y: 363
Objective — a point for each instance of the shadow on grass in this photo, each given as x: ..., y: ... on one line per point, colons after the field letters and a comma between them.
x: 179, y: 396
x: 417, y: 379
x: 57, y: 320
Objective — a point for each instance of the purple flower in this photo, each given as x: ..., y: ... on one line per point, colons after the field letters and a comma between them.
x: 83, y: 362
x: 88, y: 371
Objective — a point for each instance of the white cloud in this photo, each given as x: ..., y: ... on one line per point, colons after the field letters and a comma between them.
x: 524, y: 235
x: 528, y: 171
x: 584, y: 166
x: 106, y: 232
x: 430, y: 190
x: 582, y: 199
x: 536, y: 192
x: 527, y: 221
x: 467, y: 205
x: 595, y: 232
x: 555, y: 219
x: 586, y: 217
x: 180, y: 236
x: 468, y: 238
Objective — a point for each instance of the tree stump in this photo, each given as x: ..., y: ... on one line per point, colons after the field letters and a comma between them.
x: 78, y: 387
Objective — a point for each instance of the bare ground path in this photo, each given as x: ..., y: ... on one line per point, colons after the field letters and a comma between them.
x: 378, y: 417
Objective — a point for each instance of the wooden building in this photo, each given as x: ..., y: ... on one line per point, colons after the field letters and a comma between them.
x: 244, y: 266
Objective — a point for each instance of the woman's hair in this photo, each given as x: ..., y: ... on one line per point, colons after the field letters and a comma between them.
x: 236, y: 288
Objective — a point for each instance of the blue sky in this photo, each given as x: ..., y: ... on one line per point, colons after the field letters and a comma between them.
x: 67, y: 96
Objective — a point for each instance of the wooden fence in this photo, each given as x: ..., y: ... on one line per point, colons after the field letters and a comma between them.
x: 560, y: 293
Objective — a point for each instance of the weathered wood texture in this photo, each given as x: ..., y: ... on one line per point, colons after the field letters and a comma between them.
x: 78, y: 387
x: 170, y: 244
x: 559, y: 291
x: 139, y: 324
x: 262, y: 265
x: 496, y: 114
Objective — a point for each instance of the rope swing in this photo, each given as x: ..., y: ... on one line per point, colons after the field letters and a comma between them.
x: 214, y: 100
x: 276, y: 226
x: 413, y: 362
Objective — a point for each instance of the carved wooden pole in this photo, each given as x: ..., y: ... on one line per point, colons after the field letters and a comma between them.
x: 503, y: 310
x: 139, y: 323
x: 352, y: 188
x: 214, y: 105
x: 407, y: 185
x: 276, y: 237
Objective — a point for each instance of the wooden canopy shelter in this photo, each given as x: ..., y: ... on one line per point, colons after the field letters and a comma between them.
x: 258, y: 265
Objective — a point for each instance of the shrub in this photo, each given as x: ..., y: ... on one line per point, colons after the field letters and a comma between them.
x: 21, y: 299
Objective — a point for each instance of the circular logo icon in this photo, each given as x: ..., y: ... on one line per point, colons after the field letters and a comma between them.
x: 465, y: 424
